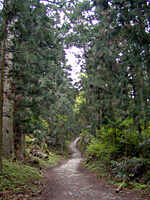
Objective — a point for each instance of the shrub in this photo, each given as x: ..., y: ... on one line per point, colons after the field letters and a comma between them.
x: 85, y: 138
x: 100, y: 150
x: 129, y: 168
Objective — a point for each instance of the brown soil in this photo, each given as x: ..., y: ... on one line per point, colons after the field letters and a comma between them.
x: 70, y: 181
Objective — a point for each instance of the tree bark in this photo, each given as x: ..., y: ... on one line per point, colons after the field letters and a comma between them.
x: 8, y: 141
x: 7, y: 121
x: 22, y: 144
x: 1, y: 100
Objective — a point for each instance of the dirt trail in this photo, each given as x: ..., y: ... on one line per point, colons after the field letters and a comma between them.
x: 70, y: 181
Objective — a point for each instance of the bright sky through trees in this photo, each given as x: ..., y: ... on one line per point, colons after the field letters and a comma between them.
x: 73, y: 61
x: 70, y: 55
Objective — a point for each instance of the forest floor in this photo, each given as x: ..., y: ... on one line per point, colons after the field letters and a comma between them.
x: 69, y: 180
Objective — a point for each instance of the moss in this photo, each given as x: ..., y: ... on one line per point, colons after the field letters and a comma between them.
x: 18, y: 176
x: 21, y: 177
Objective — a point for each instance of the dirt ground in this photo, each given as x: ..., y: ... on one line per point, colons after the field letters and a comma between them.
x: 70, y: 181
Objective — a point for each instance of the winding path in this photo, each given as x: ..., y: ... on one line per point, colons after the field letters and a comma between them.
x: 70, y: 181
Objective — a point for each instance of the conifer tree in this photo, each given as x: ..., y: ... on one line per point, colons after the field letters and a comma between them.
x: 6, y: 104
x: 38, y: 75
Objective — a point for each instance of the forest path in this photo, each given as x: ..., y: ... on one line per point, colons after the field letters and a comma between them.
x: 70, y: 181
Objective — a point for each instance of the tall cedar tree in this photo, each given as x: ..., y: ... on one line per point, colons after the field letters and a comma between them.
x: 39, y: 78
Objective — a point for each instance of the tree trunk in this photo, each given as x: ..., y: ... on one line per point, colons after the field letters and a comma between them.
x: 8, y: 139
x: 1, y: 101
x: 20, y: 142
x: 22, y: 146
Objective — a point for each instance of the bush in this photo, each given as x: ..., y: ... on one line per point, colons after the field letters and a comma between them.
x: 129, y: 168
x: 85, y: 138
x: 100, y: 150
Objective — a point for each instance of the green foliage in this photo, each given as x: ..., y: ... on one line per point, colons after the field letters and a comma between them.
x: 80, y: 99
x: 116, y: 87
x: 141, y: 187
x: 100, y: 150
x: 41, y: 88
x: 97, y: 167
x: 111, y: 109
x: 36, y: 72
x: 22, y: 176
x: 120, y: 151
x: 62, y: 124
x: 85, y: 138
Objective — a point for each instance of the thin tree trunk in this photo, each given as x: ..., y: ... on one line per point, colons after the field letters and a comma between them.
x: 2, y: 70
x: 22, y: 145
x: 1, y: 101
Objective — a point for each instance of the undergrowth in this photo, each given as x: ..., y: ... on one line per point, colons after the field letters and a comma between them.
x: 18, y: 177
x: 104, y: 159
x: 22, y: 178
x: 23, y: 175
